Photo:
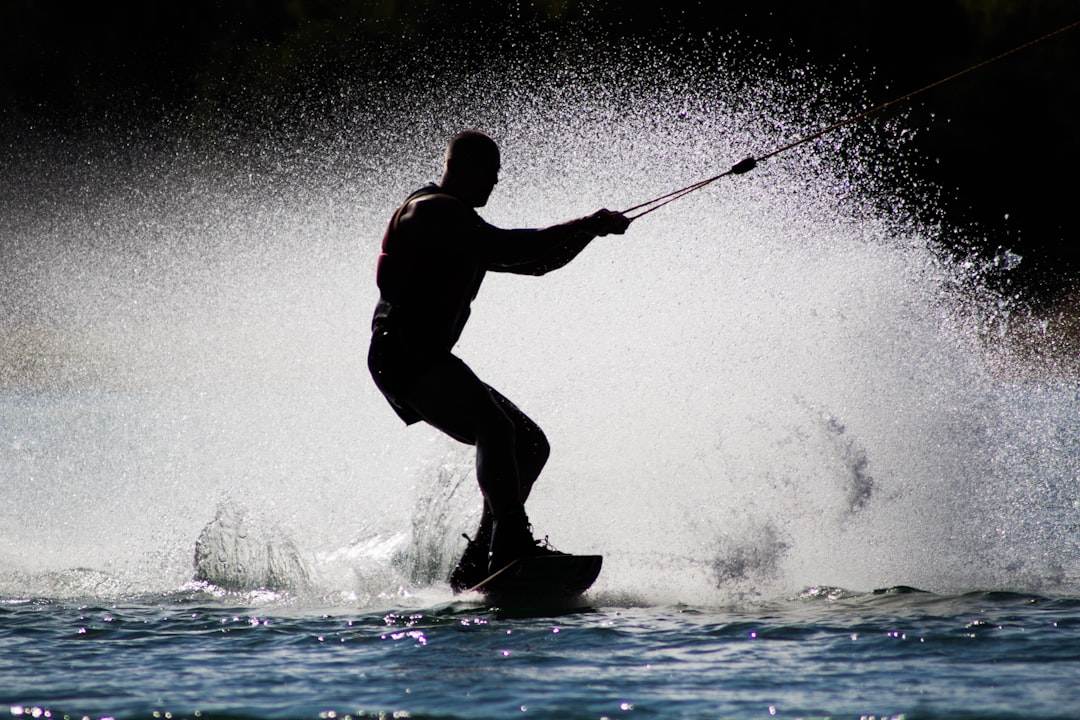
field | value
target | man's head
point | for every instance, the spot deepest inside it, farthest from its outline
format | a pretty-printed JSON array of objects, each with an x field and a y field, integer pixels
[{"x": 472, "y": 167}]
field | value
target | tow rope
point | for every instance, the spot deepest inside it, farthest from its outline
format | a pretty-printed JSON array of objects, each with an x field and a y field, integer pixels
[{"x": 750, "y": 163}]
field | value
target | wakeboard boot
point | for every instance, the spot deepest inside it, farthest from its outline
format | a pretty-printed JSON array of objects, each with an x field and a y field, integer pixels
[
  {"x": 511, "y": 539},
  {"x": 472, "y": 568}
]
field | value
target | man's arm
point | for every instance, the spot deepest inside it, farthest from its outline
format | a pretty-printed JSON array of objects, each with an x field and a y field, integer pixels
[
  {"x": 444, "y": 221},
  {"x": 564, "y": 242}
]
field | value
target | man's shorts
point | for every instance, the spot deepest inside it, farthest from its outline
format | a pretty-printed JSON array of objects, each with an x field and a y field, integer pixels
[{"x": 396, "y": 366}]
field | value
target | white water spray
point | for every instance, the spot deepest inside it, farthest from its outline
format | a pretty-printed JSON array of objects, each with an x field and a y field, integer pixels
[{"x": 772, "y": 384}]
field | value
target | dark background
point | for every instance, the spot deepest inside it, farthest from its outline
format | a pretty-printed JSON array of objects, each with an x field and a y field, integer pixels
[{"x": 1003, "y": 142}]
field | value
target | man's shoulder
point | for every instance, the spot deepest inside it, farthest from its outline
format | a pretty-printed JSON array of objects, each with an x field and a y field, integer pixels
[
  {"x": 431, "y": 204},
  {"x": 427, "y": 191},
  {"x": 436, "y": 200}
]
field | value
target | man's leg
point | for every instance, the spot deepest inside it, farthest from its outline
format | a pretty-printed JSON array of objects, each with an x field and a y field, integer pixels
[
  {"x": 531, "y": 448},
  {"x": 511, "y": 533},
  {"x": 511, "y": 451},
  {"x": 451, "y": 398},
  {"x": 531, "y": 451}
]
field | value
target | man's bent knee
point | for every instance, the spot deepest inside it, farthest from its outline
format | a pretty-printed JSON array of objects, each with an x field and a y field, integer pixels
[{"x": 493, "y": 426}]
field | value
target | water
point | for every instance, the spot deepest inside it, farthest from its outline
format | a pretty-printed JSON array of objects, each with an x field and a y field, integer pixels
[
  {"x": 889, "y": 655},
  {"x": 765, "y": 402}
]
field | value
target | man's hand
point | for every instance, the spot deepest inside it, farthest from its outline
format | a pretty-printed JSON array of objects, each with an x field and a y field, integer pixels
[{"x": 608, "y": 222}]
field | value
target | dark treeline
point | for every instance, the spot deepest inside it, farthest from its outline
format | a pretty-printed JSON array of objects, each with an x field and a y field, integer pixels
[{"x": 1002, "y": 142}]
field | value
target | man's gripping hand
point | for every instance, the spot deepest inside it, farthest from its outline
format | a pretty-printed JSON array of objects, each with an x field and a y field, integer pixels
[{"x": 607, "y": 222}]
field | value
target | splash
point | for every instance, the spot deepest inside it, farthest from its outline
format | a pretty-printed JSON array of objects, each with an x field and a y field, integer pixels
[{"x": 777, "y": 383}]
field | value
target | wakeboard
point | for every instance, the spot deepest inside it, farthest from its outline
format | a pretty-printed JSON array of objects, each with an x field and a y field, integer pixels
[{"x": 542, "y": 578}]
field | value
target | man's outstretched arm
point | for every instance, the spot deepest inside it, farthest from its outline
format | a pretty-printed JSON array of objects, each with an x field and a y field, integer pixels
[
  {"x": 449, "y": 225},
  {"x": 563, "y": 242}
]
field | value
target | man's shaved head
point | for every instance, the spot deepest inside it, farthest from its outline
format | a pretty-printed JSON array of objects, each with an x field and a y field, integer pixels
[
  {"x": 473, "y": 147},
  {"x": 472, "y": 167}
]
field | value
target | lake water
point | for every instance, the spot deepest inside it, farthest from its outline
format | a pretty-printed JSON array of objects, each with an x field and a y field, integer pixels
[{"x": 823, "y": 654}]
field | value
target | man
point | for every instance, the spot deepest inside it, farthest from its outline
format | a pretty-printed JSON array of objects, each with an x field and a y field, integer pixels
[{"x": 435, "y": 253}]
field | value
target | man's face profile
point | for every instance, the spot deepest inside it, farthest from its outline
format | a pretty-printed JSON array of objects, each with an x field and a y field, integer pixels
[{"x": 472, "y": 167}]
